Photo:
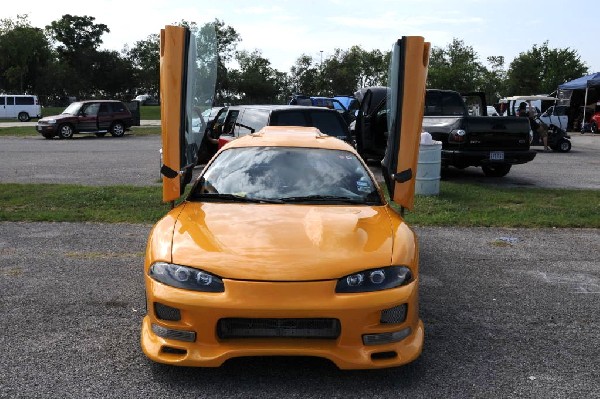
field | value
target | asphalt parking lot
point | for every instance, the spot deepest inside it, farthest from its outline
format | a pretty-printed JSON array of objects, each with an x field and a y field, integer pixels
[
  {"x": 135, "y": 160},
  {"x": 507, "y": 312}
]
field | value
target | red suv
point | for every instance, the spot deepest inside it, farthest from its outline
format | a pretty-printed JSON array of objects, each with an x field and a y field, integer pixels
[{"x": 97, "y": 116}]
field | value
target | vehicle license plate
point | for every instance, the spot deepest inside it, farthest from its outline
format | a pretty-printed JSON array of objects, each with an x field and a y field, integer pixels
[{"x": 497, "y": 156}]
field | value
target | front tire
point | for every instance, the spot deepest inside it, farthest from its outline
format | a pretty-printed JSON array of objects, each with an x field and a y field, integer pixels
[
  {"x": 117, "y": 129},
  {"x": 65, "y": 131},
  {"x": 594, "y": 127},
  {"x": 24, "y": 116},
  {"x": 496, "y": 170}
]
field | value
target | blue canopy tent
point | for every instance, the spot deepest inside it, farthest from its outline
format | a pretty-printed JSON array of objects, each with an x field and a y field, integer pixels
[{"x": 582, "y": 83}]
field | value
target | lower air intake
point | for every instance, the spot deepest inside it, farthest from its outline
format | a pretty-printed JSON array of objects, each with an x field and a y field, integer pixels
[
  {"x": 278, "y": 328},
  {"x": 394, "y": 315}
]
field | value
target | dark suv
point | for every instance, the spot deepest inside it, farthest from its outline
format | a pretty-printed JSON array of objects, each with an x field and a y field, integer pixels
[
  {"x": 236, "y": 121},
  {"x": 98, "y": 117}
]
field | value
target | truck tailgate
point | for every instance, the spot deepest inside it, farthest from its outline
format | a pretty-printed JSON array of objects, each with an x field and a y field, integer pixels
[{"x": 497, "y": 133}]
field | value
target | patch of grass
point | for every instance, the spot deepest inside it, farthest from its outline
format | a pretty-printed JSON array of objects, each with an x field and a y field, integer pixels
[
  {"x": 49, "y": 111},
  {"x": 150, "y": 112},
  {"x": 73, "y": 203},
  {"x": 28, "y": 131},
  {"x": 458, "y": 204},
  {"x": 463, "y": 204}
]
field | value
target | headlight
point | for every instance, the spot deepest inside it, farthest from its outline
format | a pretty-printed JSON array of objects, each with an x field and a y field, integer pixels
[
  {"x": 375, "y": 279},
  {"x": 186, "y": 277},
  {"x": 50, "y": 121}
]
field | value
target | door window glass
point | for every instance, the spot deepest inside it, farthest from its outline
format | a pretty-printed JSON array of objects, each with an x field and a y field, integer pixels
[{"x": 92, "y": 109}]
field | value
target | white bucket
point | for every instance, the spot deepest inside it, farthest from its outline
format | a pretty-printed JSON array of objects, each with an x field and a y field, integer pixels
[{"x": 428, "y": 166}]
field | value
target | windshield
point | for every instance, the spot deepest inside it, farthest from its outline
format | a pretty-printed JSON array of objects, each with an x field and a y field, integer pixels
[
  {"x": 286, "y": 174},
  {"x": 73, "y": 109}
]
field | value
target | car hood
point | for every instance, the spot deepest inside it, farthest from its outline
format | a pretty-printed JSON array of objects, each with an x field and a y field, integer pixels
[
  {"x": 56, "y": 117},
  {"x": 273, "y": 242}
]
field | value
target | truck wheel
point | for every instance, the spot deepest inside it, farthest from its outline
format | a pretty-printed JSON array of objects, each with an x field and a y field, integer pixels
[
  {"x": 117, "y": 129},
  {"x": 496, "y": 170},
  {"x": 564, "y": 146},
  {"x": 65, "y": 131},
  {"x": 23, "y": 116}
]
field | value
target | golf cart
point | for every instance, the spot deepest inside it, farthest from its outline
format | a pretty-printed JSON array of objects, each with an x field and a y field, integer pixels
[{"x": 558, "y": 139}]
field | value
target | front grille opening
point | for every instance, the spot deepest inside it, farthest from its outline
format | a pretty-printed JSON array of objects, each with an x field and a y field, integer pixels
[
  {"x": 172, "y": 351},
  {"x": 384, "y": 355},
  {"x": 395, "y": 315},
  {"x": 164, "y": 312},
  {"x": 278, "y": 328}
]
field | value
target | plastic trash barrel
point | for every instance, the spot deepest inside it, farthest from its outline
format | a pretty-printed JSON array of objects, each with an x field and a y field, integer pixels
[{"x": 429, "y": 164}]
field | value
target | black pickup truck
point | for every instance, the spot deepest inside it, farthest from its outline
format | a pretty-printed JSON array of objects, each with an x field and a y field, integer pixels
[{"x": 493, "y": 143}]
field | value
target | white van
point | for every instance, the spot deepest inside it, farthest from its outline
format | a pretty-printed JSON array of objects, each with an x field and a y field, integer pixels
[{"x": 20, "y": 106}]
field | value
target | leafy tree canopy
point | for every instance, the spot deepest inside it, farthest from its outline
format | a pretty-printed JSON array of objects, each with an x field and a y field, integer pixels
[{"x": 541, "y": 69}]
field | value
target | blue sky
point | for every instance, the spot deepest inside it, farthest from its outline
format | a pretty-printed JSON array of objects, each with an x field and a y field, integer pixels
[{"x": 284, "y": 30}]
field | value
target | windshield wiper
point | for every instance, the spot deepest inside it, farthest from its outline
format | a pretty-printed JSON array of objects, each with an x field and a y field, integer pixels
[
  {"x": 233, "y": 198},
  {"x": 323, "y": 198}
]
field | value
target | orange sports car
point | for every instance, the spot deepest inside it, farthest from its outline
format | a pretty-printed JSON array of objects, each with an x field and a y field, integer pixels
[{"x": 284, "y": 246}]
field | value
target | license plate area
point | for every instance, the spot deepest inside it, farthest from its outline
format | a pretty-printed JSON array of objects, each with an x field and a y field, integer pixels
[{"x": 496, "y": 155}]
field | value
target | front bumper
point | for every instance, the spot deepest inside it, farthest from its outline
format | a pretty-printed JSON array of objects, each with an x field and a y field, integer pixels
[
  {"x": 478, "y": 158},
  {"x": 358, "y": 314},
  {"x": 41, "y": 129}
]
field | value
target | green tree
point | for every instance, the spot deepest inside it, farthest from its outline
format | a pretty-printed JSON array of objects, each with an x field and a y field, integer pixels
[
  {"x": 455, "y": 67},
  {"x": 541, "y": 69},
  {"x": 78, "y": 39},
  {"x": 112, "y": 76},
  {"x": 305, "y": 75},
  {"x": 256, "y": 82},
  {"x": 348, "y": 70},
  {"x": 144, "y": 58},
  {"x": 76, "y": 33},
  {"x": 493, "y": 81},
  {"x": 24, "y": 54}
]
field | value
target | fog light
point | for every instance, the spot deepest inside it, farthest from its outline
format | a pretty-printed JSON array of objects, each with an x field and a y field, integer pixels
[
  {"x": 179, "y": 335},
  {"x": 385, "y": 338}
]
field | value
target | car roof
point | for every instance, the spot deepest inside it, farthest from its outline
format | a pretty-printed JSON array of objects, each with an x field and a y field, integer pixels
[
  {"x": 269, "y": 107},
  {"x": 290, "y": 136}
]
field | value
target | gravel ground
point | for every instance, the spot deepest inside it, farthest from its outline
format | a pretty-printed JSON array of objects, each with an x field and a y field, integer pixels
[{"x": 507, "y": 313}]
